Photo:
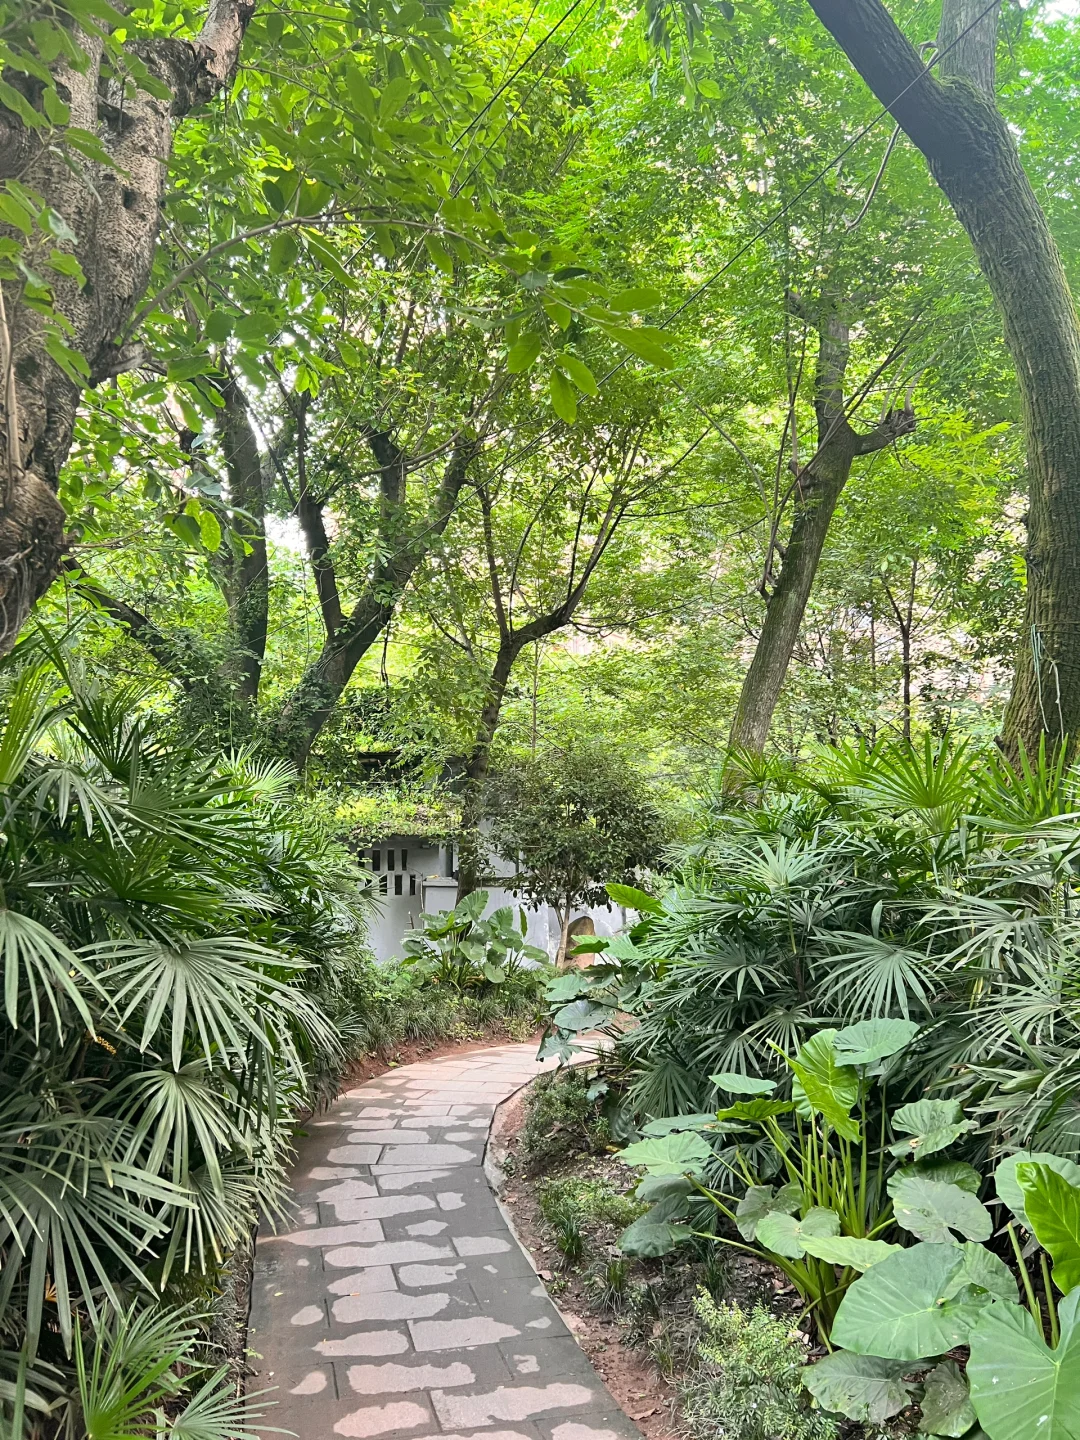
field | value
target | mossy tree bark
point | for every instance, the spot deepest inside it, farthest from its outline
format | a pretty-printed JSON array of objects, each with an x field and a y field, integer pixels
[
  {"x": 816, "y": 489},
  {"x": 115, "y": 212},
  {"x": 954, "y": 121}
]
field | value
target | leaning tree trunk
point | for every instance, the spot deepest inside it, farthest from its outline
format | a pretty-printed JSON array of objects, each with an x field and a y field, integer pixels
[
  {"x": 973, "y": 156},
  {"x": 818, "y": 487},
  {"x": 470, "y": 848},
  {"x": 114, "y": 211}
]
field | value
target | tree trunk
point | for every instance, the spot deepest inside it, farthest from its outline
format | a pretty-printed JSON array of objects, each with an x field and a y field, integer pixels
[
  {"x": 974, "y": 159},
  {"x": 818, "y": 488},
  {"x": 821, "y": 487},
  {"x": 248, "y": 580},
  {"x": 470, "y": 848},
  {"x": 115, "y": 212},
  {"x": 400, "y": 552}
]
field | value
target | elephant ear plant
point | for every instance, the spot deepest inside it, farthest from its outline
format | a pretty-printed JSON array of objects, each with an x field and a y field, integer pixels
[
  {"x": 808, "y": 1181},
  {"x": 463, "y": 951},
  {"x": 902, "y": 1324}
]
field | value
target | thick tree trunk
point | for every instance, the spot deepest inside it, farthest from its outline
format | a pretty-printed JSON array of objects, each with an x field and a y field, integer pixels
[
  {"x": 470, "y": 846},
  {"x": 818, "y": 488},
  {"x": 247, "y": 587},
  {"x": 114, "y": 212},
  {"x": 974, "y": 159}
]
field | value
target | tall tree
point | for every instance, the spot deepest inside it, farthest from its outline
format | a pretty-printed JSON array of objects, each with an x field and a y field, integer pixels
[
  {"x": 815, "y": 489},
  {"x": 954, "y": 120}
]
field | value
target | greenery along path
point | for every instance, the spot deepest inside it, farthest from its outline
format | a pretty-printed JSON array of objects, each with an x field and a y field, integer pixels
[{"x": 402, "y": 1304}]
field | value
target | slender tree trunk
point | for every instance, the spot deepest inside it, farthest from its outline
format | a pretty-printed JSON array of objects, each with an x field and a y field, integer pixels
[
  {"x": 115, "y": 211},
  {"x": 470, "y": 845},
  {"x": 248, "y": 579},
  {"x": 972, "y": 155},
  {"x": 818, "y": 488}
]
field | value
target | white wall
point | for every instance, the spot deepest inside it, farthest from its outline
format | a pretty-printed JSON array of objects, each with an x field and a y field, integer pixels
[{"x": 427, "y": 886}]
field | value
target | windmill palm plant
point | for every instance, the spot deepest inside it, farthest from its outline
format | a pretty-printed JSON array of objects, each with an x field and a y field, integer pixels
[
  {"x": 929, "y": 882},
  {"x": 165, "y": 925}
]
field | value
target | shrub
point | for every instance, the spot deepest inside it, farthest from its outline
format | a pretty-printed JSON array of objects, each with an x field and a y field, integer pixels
[
  {"x": 588, "y": 1200},
  {"x": 748, "y": 1384},
  {"x": 561, "y": 1120}
]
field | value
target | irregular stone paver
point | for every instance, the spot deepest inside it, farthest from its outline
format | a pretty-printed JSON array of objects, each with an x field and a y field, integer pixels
[{"x": 397, "y": 1305}]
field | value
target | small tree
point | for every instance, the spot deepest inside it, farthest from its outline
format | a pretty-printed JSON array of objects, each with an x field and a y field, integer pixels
[{"x": 574, "y": 819}]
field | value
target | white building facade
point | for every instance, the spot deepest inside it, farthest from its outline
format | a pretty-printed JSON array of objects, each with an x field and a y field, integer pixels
[{"x": 415, "y": 875}]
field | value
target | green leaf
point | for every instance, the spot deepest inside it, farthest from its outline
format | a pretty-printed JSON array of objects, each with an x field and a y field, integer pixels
[
  {"x": 1053, "y": 1207},
  {"x": 949, "y": 1172},
  {"x": 932, "y": 1210},
  {"x": 12, "y": 213},
  {"x": 1008, "y": 1185},
  {"x": 946, "y": 1403},
  {"x": 579, "y": 373},
  {"x": 563, "y": 398},
  {"x": 671, "y": 1123},
  {"x": 848, "y": 1250},
  {"x": 783, "y": 1234},
  {"x": 630, "y": 898},
  {"x": 710, "y": 89},
  {"x": 985, "y": 1271},
  {"x": 762, "y": 1200},
  {"x": 568, "y": 986},
  {"x": 284, "y": 249},
  {"x": 669, "y": 1154},
  {"x": 899, "y": 1308},
  {"x": 582, "y": 1015},
  {"x": 736, "y": 1084},
  {"x": 648, "y": 1237},
  {"x": 640, "y": 297},
  {"x": 932, "y": 1125},
  {"x": 831, "y": 1089},
  {"x": 523, "y": 352},
  {"x": 12, "y": 100},
  {"x": 755, "y": 1110},
  {"x": 872, "y": 1040},
  {"x": 209, "y": 531},
  {"x": 862, "y": 1387},
  {"x": 642, "y": 340},
  {"x": 651, "y": 1188},
  {"x": 1021, "y": 1389}
]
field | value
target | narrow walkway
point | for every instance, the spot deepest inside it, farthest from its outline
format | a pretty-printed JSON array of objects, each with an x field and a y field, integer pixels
[{"x": 403, "y": 1306}]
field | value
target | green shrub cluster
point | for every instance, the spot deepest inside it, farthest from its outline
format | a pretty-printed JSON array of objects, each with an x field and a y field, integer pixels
[
  {"x": 561, "y": 1119},
  {"x": 747, "y": 1384}
]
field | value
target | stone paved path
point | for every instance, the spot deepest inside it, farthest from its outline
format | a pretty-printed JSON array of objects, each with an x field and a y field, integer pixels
[{"x": 402, "y": 1306}]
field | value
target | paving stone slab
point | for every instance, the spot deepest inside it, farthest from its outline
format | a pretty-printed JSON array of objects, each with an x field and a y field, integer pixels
[{"x": 394, "y": 1303}]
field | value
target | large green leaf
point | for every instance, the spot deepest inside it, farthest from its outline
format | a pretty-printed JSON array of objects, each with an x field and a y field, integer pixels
[
  {"x": 869, "y": 1041},
  {"x": 899, "y": 1308},
  {"x": 669, "y": 1154},
  {"x": 1021, "y": 1389},
  {"x": 848, "y": 1250},
  {"x": 1009, "y": 1188},
  {"x": 582, "y": 1015},
  {"x": 1053, "y": 1207},
  {"x": 784, "y": 1234},
  {"x": 830, "y": 1088},
  {"x": 652, "y": 1188},
  {"x": 862, "y": 1387},
  {"x": 932, "y": 1125},
  {"x": 38, "y": 970},
  {"x": 672, "y": 1123},
  {"x": 946, "y": 1403},
  {"x": 762, "y": 1200},
  {"x": 932, "y": 1210},
  {"x": 630, "y": 898},
  {"x": 650, "y": 1236},
  {"x": 984, "y": 1271},
  {"x": 755, "y": 1110},
  {"x": 736, "y": 1084}
]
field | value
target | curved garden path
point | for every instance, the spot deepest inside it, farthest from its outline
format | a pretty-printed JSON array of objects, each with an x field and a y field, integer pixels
[{"x": 402, "y": 1306}]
